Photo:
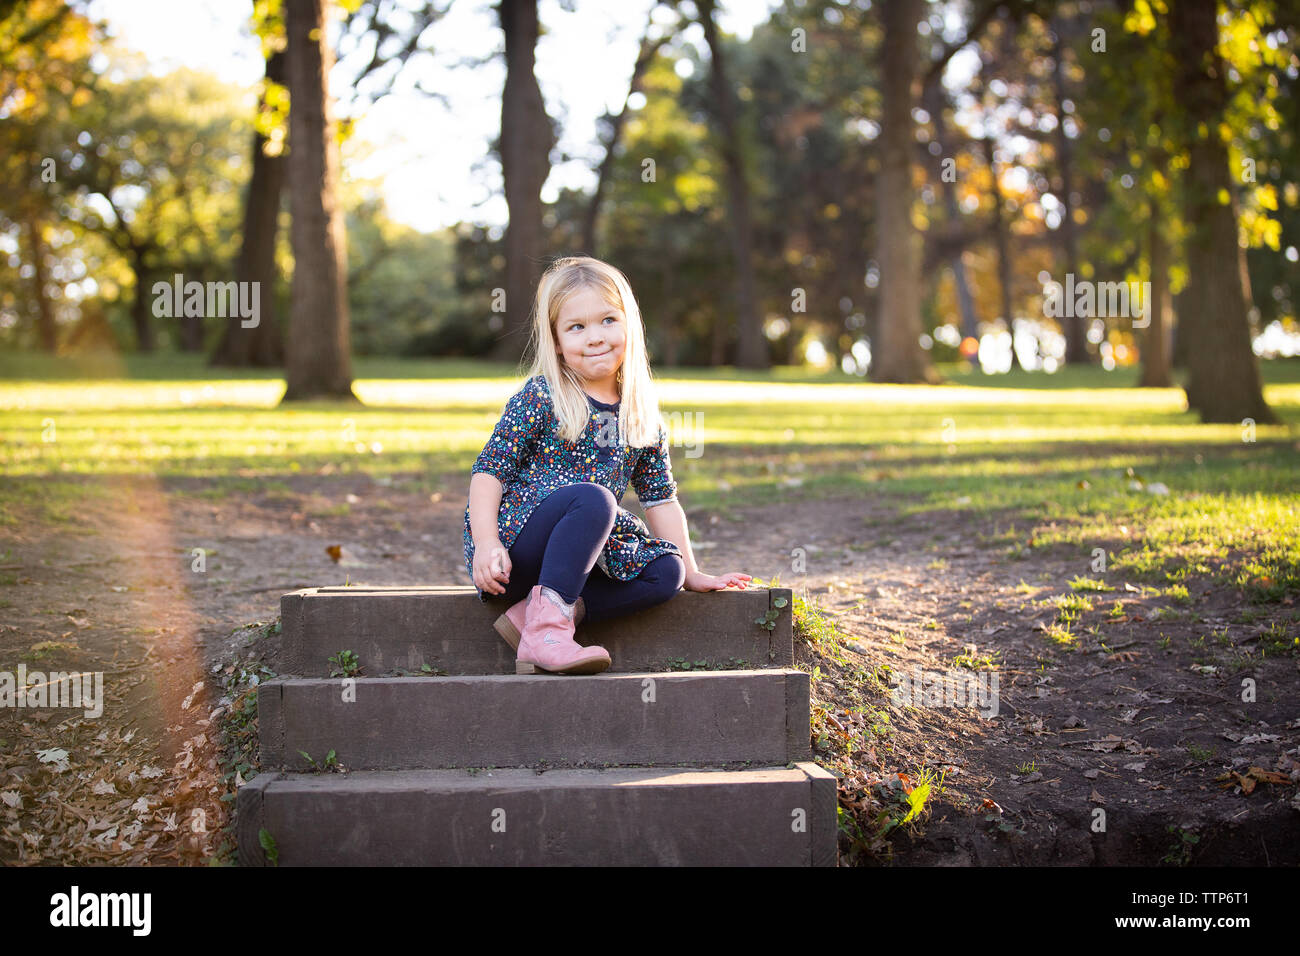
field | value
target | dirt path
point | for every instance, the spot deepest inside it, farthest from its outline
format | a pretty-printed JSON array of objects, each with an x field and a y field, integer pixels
[{"x": 1116, "y": 730}]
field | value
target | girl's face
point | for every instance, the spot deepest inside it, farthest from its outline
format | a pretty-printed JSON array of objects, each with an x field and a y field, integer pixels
[{"x": 591, "y": 336}]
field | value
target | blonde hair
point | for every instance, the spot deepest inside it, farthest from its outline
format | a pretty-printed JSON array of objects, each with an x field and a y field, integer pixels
[{"x": 639, "y": 417}]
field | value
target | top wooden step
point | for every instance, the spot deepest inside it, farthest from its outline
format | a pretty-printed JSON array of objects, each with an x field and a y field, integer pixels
[{"x": 399, "y": 630}]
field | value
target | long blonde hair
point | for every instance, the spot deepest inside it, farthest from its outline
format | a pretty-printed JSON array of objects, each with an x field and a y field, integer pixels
[{"x": 638, "y": 414}]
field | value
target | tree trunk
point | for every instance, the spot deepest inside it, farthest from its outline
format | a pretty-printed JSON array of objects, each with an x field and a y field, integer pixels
[
  {"x": 1003, "y": 244},
  {"x": 897, "y": 355},
  {"x": 260, "y": 346},
  {"x": 1223, "y": 382},
  {"x": 1155, "y": 345},
  {"x": 319, "y": 359},
  {"x": 141, "y": 308},
  {"x": 751, "y": 346},
  {"x": 46, "y": 331},
  {"x": 527, "y": 139},
  {"x": 1076, "y": 341}
]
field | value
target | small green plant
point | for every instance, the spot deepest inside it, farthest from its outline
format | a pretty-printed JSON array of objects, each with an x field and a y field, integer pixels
[
  {"x": 268, "y": 845},
  {"x": 1118, "y": 609},
  {"x": 346, "y": 664},
  {"x": 1028, "y": 768},
  {"x": 1181, "y": 852},
  {"x": 1081, "y": 583},
  {"x": 1200, "y": 754},
  {"x": 1061, "y": 635},
  {"x": 1178, "y": 593},
  {"x": 976, "y": 662},
  {"x": 769, "y": 618},
  {"x": 331, "y": 761},
  {"x": 1070, "y": 606},
  {"x": 919, "y": 795},
  {"x": 1276, "y": 640}
]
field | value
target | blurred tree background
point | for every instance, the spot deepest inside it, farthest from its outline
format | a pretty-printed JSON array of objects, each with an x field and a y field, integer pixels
[{"x": 877, "y": 187}]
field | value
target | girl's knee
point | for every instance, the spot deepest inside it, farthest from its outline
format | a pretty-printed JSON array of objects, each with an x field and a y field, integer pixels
[
  {"x": 589, "y": 492},
  {"x": 668, "y": 573}
]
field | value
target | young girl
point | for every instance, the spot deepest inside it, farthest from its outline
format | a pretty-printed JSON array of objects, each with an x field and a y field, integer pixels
[{"x": 544, "y": 493}]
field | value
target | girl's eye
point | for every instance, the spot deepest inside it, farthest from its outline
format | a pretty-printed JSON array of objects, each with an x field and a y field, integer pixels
[{"x": 576, "y": 325}]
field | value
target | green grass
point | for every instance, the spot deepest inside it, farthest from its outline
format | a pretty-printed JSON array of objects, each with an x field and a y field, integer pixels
[{"x": 1044, "y": 459}]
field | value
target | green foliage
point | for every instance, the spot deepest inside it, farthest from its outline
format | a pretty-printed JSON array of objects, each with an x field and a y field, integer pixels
[
  {"x": 1183, "y": 843},
  {"x": 345, "y": 664},
  {"x": 267, "y": 843}
]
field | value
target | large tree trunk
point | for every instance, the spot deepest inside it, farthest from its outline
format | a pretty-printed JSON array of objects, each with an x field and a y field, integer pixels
[
  {"x": 141, "y": 306},
  {"x": 751, "y": 346},
  {"x": 1223, "y": 381},
  {"x": 1003, "y": 243},
  {"x": 319, "y": 360},
  {"x": 526, "y": 143},
  {"x": 260, "y": 346},
  {"x": 1155, "y": 345},
  {"x": 46, "y": 331},
  {"x": 897, "y": 355},
  {"x": 1076, "y": 342}
]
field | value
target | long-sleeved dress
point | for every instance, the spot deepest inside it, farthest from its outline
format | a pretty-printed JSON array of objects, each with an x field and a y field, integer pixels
[{"x": 531, "y": 461}]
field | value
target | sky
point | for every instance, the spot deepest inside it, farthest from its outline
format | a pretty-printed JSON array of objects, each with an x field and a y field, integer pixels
[{"x": 426, "y": 153}]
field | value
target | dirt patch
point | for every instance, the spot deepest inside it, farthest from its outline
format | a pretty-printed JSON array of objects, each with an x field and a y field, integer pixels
[
  {"x": 1156, "y": 736},
  {"x": 1123, "y": 724}
]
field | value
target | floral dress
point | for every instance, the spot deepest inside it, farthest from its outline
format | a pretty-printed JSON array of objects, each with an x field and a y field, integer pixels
[{"x": 530, "y": 460}]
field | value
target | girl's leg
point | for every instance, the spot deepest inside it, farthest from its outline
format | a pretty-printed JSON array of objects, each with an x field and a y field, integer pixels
[
  {"x": 560, "y": 542},
  {"x": 606, "y": 597}
]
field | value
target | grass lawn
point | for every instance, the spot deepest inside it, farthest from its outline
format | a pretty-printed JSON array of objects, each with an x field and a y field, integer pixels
[{"x": 1078, "y": 459}]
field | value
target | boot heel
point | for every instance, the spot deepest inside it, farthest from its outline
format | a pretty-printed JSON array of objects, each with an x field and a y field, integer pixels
[
  {"x": 506, "y": 628},
  {"x": 523, "y": 667}
]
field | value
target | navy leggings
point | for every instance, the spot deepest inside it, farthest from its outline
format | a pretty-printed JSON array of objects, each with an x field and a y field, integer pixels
[{"x": 558, "y": 547}]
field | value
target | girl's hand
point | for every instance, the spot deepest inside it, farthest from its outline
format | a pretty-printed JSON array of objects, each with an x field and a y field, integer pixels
[
  {"x": 699, "y": 581},
  {"x": 492, "y": 568}
]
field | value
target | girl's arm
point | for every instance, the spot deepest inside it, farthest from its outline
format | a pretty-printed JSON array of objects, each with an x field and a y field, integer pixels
[
  {"x": 668, "y": 520},
  {"x": 485, "y": 492},
  {"x": 652, "y": 479}
]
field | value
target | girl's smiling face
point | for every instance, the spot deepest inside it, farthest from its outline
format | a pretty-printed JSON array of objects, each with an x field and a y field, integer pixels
[{"x": 591, "y": 335}]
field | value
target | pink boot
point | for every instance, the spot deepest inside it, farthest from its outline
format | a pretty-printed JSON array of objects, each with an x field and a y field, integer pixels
[
  {"x": 546, "y": 643},
  {"x": 511, "y": 624}
]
